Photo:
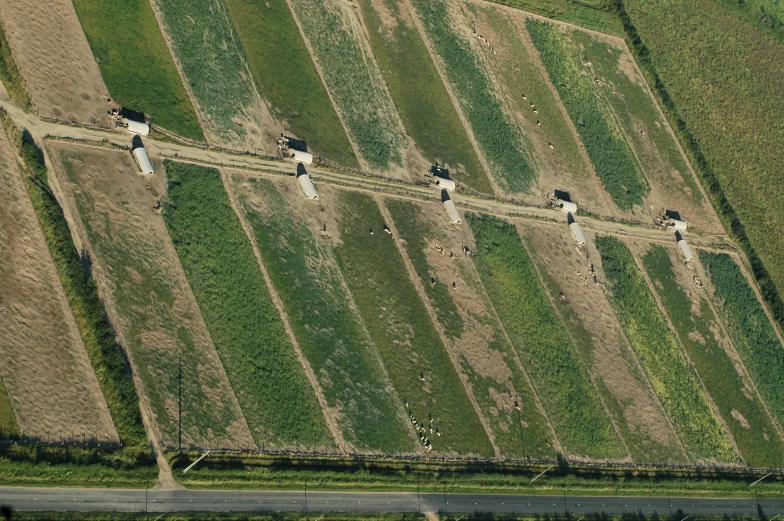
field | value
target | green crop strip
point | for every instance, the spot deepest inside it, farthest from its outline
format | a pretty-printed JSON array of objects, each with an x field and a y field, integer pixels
[
  {"x": 560, "y": 379},
  {"x": 213, "y": 63},
  {"x": 136, "y": 64},
  {"x": 498, "y": 136},
  {"x": 749, "y": 328},
  {"x": 657, "y": 348},
  {"x": 329, "y": 331},
  {"x": 420, "y": 95},
  {"x": 152, "y": 303},
  {"x": 400, "y": 326},
  {"x": 10, "y": 75},
  {"x": 7, "y": 417},
  {"x": 520, "y": 433},
  {"x": 601, "y": 20},
  {"x": 279, "y": 403},
  {"x": 284, "y": 72},
  {"x": 355, "y": 83},
  {"x": 607, "y": 148},
  {"x": 758, "y": 440}
]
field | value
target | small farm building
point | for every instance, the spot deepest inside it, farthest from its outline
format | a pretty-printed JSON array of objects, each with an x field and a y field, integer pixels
[
  {"x": 299, "y": 156},
  {"x": 305, "y": 183},
  {"x": 685, "y": 250},
  {"x": 568, "y": 206},
  {"x": 577, "y": 234},
  {"x": 136, "y": 127},
  {"x": 447, "y": 184},
  {"x": 675, "y": 224},
  {"x": 142, "y": 160}
]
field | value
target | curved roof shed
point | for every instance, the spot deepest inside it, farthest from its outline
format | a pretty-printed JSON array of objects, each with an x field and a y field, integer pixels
[{"x": 143, "y": 161}]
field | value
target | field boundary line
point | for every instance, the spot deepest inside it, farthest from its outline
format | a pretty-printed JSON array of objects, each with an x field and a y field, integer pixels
[
  {"x": 414, "y": 278},
  {"x": 663, "y": 310},
  {"x": 571, "y": 339},
  {"x": 331, "y": 424}
]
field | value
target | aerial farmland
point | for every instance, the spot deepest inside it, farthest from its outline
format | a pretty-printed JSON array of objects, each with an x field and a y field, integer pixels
[{"x": 391, "y": 231}]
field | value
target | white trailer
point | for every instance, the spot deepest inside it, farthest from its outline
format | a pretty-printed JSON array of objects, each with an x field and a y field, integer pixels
[
  {"x": 568, "y": 206},
  {"x": 307, "y": 186},
  {"x": 451, "y": 210},
  {"x": 445, "y": 183},
  {"x": 577, "y": 234},
  {"x": 136, "y": 127},
  {"x": 685, "y": 251},
  {"x": 142, "y": 160},
  {"x": 299, "y": 156}
]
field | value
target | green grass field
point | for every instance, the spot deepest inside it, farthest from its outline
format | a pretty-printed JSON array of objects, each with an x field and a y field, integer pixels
[
  {"x": 214, "y": 65},
  {"x": 149, "y": 296},
  {"x": 749, "y": 328},
  {"x": 516, "y": 433},
  {"x": 657, "y": 348},
  {"x": 420, "y": 95},
  {"x": 704, "y": 79},
  {"x": 279, "y": 403},
  {"x": 559, "y": 377},
  {"x": 604, "y": 141},
  {"x": 135, "y": 63},
  {"x": 287, "y": 78},
  {"x": 8, "y": 425},
  {"x": 757, "y": 440},
  {"x": 400, "y": 326},
  {"x": 354, "y": 81},
  {"x": 602, "y": 20},
  {"x": 499, "y": 138},
  {"x": 330, "y": 331},
  {"x": 660, "y": 156}
]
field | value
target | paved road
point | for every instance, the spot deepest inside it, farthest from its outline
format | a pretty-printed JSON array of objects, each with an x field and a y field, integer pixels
[{"x": 43, "y": 499}]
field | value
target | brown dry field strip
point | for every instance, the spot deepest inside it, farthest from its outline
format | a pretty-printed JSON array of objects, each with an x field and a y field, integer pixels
[
  {"x": 53, "y": 55},
  {"x": 148, "y": 297},
  {"x": 43, "y": 362}
]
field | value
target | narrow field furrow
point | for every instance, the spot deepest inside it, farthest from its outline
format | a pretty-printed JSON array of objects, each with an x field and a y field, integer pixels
[
  {"x": 279, "y": 404},
  {"x": 413, "y": 354},
  {"x": 419, "y": 93},
  {"x": 660, "y": 354},
  {"x": 473, "y": 331},
  {"x": 287, "y": 78},
  {"x": 136, "y": 64},
  {"x": 498, "y": 136},
  {"x": 214, "y": 65},
  {"x": 354, "y": 80},
  {"x": 712, "y": 354},
  {"x": 604, "y": 141},
  {"x": 749, "y": 328},
  {"x": 152, "y": 305},
  {"x": 558, "y": 375},
  {"x": 328, "y": 327}
]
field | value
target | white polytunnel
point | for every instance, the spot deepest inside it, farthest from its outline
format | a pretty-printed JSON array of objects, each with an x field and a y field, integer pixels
[
  {"x": 577, "y": 234},
  {"x": 451, "y": 210},
  {"x": 685, "y": 250},
  {"x": 445, "y": 183},
  {"x": 299, "y": 156},
  {"x": 307, "y": 186},
  {"x": 675, "y": 224},
  {"x": 136, "y": 127},
  {"x": 142, "y": 160},
  {"x": 568, "y": 207}
]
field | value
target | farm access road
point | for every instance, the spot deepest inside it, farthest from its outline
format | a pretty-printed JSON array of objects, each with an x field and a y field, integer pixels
[
  {"x": 123, "y": 500},
  {"x": 40, "y": 128}
]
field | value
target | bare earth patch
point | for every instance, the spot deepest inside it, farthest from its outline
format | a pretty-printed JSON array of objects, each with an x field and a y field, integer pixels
[
  {"x": 148, "y": 296},
  {"x": 53, "y": 55},
  {"x": 52, "y": 387}
]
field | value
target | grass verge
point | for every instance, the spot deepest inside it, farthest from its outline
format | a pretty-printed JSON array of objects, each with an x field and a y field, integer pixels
[
  {"x": 279, "y": 403},
  {"x": 136, "y": 64},
  {"x": 354, "y": 80},
  {"x": 544, "y": 347},
  {"x": 419, "y": 93},
  {"x": 698, "y": 331},
  {"x": 330, "y": 331},
  {"x": 604, "y": 141},
  {"x": 271, "y": 38},
  {"x": 10, "y": 75},
  {"x": 413, "y": 353},
  {"x": 657, "y": 348},
  {"x": 488, "y": 362},
  {"x": 498, "y": 137},
  {"x": 749, "y": 328}
]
